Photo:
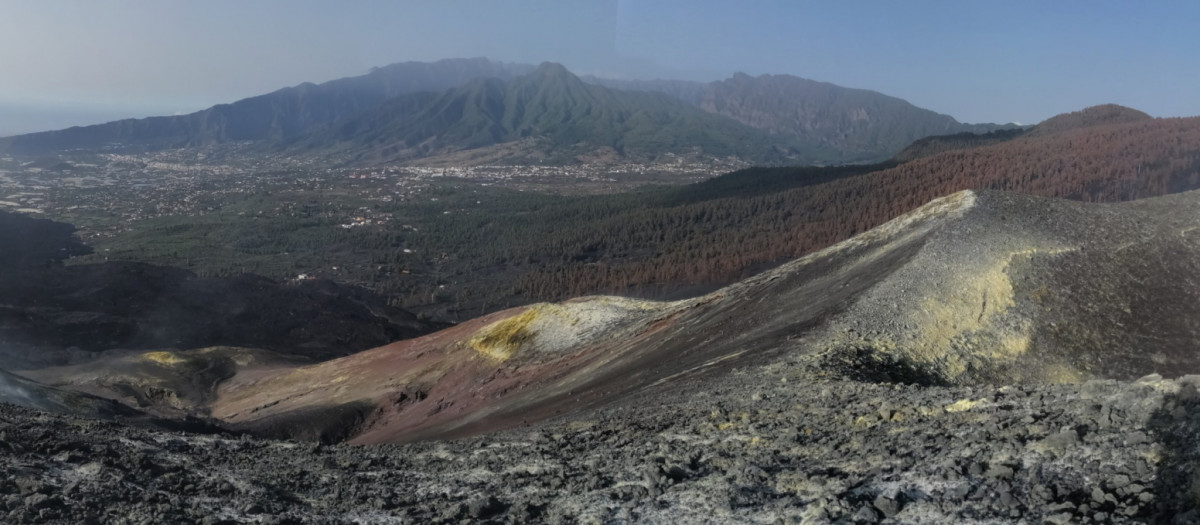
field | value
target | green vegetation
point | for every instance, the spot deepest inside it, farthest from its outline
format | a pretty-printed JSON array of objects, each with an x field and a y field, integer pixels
[
  {"x": 459, "y": 249},
  {"x": 463, "y": 248},
  {"x": 567, "y": 116}
]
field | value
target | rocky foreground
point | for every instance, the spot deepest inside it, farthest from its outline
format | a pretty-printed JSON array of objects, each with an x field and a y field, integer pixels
[{"x": 757, "y": 448}]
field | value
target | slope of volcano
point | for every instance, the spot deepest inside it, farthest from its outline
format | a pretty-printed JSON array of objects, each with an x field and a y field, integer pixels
[
  {"x": 973, "y": 288},
  {"x": 777, "y": 398}
]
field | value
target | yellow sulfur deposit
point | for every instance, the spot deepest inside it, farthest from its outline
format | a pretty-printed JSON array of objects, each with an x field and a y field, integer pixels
[
  {"x": 164, "y": 358},
  {"x": 962, "y": 405},
  {"x": 501, "y": 339}
]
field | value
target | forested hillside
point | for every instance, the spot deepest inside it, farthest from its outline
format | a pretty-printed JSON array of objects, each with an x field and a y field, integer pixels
[
  {"x": 464, "y": 248},
  {"x": 929, "y": 146},
  {"x": 717, "y": 240}
]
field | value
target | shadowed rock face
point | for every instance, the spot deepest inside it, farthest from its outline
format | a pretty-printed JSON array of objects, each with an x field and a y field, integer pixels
[
  {"x": 31, "y": 244},
  {"x": 160, "y": 382},
  {"x": 98, "y": 307},
  {"x": 23, "y": 392}
]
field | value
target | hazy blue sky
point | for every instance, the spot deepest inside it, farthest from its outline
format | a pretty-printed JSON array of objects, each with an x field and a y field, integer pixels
[{"x": 77, "y": 61}]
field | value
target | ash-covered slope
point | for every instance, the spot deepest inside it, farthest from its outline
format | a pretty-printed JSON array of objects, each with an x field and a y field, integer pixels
[
  {"x": 1027, "y": 289},
  {"x": 971, "y": 288},
  {"x": 20, "y": 391},
  {"x": 764, "y": 401}
]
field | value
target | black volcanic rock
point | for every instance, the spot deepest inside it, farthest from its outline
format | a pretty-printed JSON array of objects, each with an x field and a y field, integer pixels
[
  {"x": 27, "y": 242},
  {"x": 23, "y": 392},
  {"x": 96, "y": 307},
  {"x": 815, "y": 452}
]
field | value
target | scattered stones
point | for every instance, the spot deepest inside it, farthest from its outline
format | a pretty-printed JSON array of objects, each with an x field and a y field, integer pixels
[
  {"x": 675, "y": 461},
  {"x": 866, "y": 514},
  {"x": 889, "y": 507}
]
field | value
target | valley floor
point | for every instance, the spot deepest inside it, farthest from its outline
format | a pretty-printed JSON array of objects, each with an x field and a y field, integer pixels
[{"x": 745, "y": 451}]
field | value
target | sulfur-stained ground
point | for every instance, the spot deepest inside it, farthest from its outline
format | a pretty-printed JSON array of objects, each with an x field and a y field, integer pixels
[{"x": 745, "y": 452}]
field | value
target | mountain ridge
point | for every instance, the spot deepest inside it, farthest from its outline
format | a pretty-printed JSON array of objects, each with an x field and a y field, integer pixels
[
  {"x": 1101, "y": 115},
  {"x": 863, "y": 124},
  {"x": 823, "y": 122},
  {"x": 279, "y": 114},
  {"x": 555, "y": 107}
]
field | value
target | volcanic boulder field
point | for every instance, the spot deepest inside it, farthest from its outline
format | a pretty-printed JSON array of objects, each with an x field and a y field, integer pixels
[{"x": 989, "y": 357}]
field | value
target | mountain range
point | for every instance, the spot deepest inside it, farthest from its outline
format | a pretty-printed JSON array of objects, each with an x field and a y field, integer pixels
[
  {"x": 520, "y": 113},
  {"x": 552, "y": 114},
  {"x": 273, "y": 116},
  {"x": 858, "y": 122}
]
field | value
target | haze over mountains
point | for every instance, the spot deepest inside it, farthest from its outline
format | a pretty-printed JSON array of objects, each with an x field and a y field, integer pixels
[
  {"x": 830, "y": 116},
  {"x": 273, "y": 116},
  {"x": 552, "y": 115},
  {"x": 534, "y": 114}
]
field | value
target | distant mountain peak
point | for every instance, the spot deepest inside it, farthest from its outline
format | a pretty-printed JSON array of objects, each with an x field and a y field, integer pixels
[
  {"x": 552, "y": 68},
  {"x": 551, "y": 73}
]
